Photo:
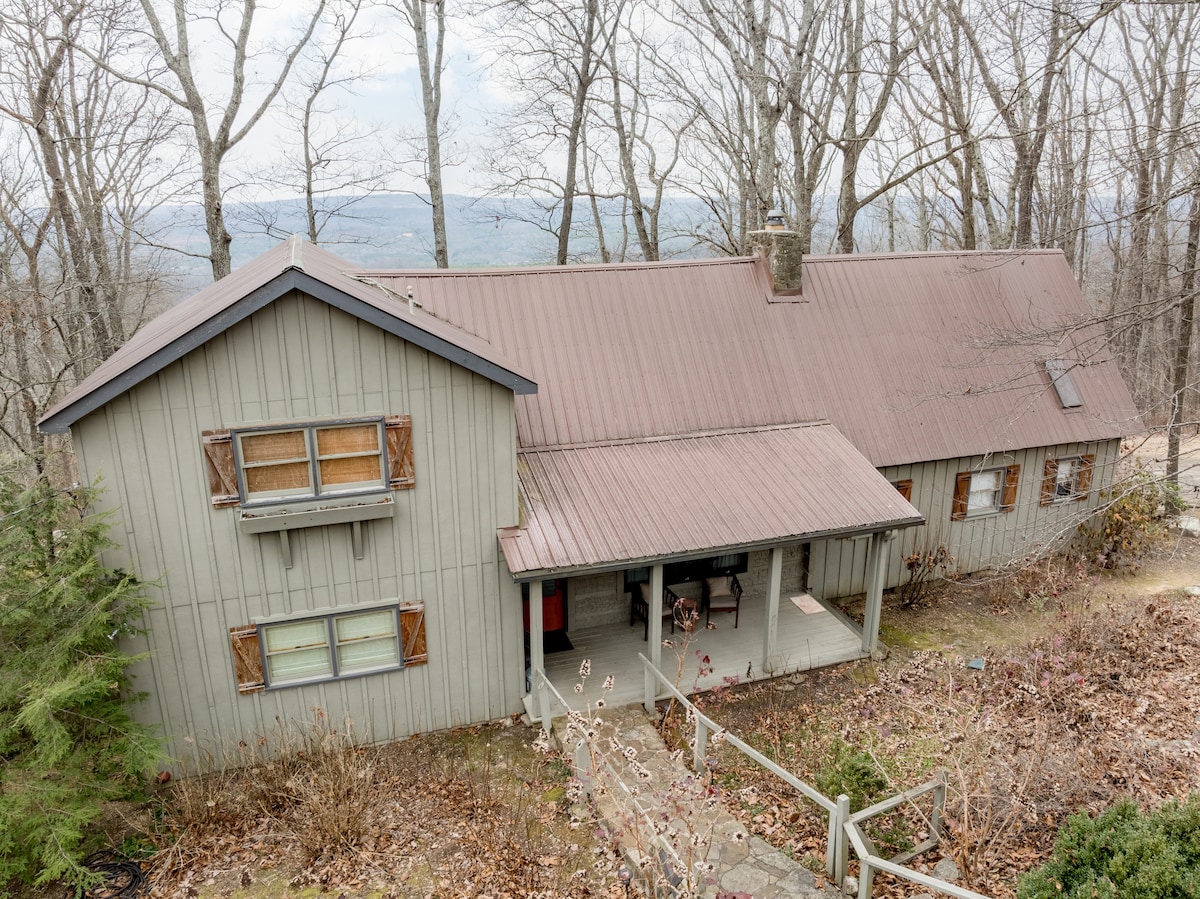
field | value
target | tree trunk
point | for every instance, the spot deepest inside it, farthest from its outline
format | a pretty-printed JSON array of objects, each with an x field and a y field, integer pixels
[{"x": 1180, "y": 381}]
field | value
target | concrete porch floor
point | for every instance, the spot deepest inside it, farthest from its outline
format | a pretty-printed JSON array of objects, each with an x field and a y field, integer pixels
[{"x": 805, "y": 641}]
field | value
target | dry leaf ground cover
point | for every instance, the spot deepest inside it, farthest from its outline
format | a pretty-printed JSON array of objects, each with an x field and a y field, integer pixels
[
  {"x": 472, "y": 812},
  {"x": 1084, "y": 697}
]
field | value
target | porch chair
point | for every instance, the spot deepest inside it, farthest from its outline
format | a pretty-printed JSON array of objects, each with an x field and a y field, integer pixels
[
  {"x": 723, "y": 594},
  {"x": 679, "y": 609}
]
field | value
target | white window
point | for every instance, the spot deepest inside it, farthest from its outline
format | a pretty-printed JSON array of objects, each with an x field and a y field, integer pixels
[
  {"x": 1065, "y": 477},
  {"x": 987, "y": 488},
  {"x": 310, "y": 461},
  {"x": 985, "y": 492},
  {"x": 331, "y": 646}
]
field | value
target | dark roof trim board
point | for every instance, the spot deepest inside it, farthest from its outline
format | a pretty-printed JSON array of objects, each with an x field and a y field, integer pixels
[
  {"x": 61, "y": 418},
  {"x": 413, "y": 334}
]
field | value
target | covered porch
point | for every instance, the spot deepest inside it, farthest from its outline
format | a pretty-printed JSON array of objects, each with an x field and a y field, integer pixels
[
  {"x": 778, "y": 631},
  {"x": 674, "y": 513},
  {"x": 809, "y": 634}
]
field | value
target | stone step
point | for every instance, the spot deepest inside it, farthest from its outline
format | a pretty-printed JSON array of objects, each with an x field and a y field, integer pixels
[{"x": 669, "y": 822}]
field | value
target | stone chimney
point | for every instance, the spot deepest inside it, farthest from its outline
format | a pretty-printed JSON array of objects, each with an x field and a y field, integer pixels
[{"x": 781, "y": 247}]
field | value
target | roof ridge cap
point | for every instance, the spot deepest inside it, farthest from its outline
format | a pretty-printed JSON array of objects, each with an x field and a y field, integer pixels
[{"x": 667, "y": 438}]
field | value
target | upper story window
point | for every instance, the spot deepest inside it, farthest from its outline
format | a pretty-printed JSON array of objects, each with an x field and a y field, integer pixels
[
  {"x": 306, "y": 461},
  {"x": 311, "y": 461}
]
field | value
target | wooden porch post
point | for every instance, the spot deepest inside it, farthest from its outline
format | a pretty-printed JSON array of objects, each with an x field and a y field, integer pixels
[
  {"x": 537, "y": 657},
  {"x": 771, "y": 634},
  {"x": 877, "y": 558},
  {"x": 654, "y": 636}
]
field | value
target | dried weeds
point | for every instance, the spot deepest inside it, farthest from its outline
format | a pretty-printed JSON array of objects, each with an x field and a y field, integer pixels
[
  {"x": 467, "y": 813},
  {"x": 1101, "y": 707}
]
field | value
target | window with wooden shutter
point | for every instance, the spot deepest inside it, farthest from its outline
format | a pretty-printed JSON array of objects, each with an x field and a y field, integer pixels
[
  {"x": 247, "y": 659},
  {"x": 221, "y": 467},
  {"x": 1067, "y": 480},
  {"x": 1012, "y": 476},
  {"x": 962, "y": 491},
  {"x": 1049, "y": 482},
  {"x": 904, "y": 488},
  {"x": 400, "y": 452},
  {"x": 333, "y": 646},
  {"x": 985, "y": 492},
  {"x": 1083, "y": 485},
  {"x": 412, "y": 634}
]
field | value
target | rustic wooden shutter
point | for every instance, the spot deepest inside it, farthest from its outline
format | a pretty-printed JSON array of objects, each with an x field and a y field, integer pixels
[
  {"x": 247, "y": 660},
  {"x": 400, "y": 452},
  {"x": 412, "y": 634},
  {"x": 1049, "y": 482},
  {"x": 222, "y": 471},
  {"x": 1083, "y": 483},
  {"x": 1012, "y": 475},
  {"x": 905, "y": 488},
  {"x": 962, "y": 491}
]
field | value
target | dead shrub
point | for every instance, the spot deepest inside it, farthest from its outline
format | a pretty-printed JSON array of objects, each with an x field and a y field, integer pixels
[
  {"x": 924, "y": 567},
  {"x": 309, "y": 783}
]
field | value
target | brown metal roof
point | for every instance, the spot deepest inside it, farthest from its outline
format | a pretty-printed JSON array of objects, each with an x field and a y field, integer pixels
[
  {"x": 940, "y": 355},
  {"x": 630, "y": 351},
  {"x": 914, "y": 357},
  {"x": 623, "y": 504},
  {"x": 293, "y": 265}
]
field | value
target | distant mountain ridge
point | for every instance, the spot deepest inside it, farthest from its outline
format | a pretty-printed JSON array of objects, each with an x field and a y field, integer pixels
[{"x": 396, "y": 231}]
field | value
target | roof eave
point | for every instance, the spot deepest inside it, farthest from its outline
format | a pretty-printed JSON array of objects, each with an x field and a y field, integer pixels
[
  {"x": 621, "y": 565},
  {"x": 60, "y": 419}
]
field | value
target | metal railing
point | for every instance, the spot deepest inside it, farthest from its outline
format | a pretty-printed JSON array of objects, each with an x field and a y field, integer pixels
[
  {"x": 705, "y": 726},
  {"x": 844, "y": 828},
  {"x": 584, "y": 761}
]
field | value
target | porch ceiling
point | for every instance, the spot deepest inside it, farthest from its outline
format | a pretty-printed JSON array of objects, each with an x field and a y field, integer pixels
[{"x": 587, "y": 507}]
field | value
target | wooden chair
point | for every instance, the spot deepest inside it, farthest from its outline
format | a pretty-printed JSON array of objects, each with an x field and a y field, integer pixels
[
  {"x": 681, "y": 610},
  {"x": 723, "y": 594}
]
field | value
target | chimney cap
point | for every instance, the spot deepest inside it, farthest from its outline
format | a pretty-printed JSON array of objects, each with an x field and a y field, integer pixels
[{"x": 776, "y": 221}]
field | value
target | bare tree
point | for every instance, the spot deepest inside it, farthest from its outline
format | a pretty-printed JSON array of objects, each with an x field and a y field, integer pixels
[
  {"x": 232, "y": 23},
  {"x": 82, "y": 172},
  {"x": 331, "y": 161},
  {"x": 556, "y": 50},
  {"x": 426, "y": 19}
]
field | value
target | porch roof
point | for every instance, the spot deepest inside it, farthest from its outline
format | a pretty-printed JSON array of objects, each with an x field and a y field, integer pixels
[{"x": 619, "y": 505}]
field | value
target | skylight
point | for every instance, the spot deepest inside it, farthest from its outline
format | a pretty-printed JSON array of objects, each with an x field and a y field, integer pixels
[{"x": 1064, "y": 385}]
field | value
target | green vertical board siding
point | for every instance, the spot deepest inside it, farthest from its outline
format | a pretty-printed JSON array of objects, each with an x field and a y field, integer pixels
[
  {"x": 294, "y": 361},
  {"x": 978, "y": 543}
]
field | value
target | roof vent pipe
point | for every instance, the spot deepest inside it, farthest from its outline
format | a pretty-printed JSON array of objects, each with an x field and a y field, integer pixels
[{"x": 782, "y": 248}]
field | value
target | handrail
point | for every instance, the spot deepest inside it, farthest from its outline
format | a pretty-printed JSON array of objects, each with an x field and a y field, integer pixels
[
  {"x": 870, "y": 863},
  {"x": 820, "y": 799},
  {"x": 843, "y": 826},
  {"x": 541, "y": 700},
  {"x": 835, "y": 855},
  {"x": 583, "y": 766}
]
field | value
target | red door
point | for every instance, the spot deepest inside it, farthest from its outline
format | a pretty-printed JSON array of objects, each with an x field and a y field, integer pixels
[{"x": 554, "y": 606}]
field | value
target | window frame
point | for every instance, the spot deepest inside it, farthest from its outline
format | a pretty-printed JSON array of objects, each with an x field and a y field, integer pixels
[
  {"x": 313, "y": 459},
  {"x": 331, "y": 644},
  {"x": 1081, "y": 479},
  {"x": 1009, "y": 480}
]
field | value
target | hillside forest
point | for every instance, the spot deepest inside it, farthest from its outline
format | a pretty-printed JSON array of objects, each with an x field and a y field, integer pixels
[{"x": 617, "y": 130}]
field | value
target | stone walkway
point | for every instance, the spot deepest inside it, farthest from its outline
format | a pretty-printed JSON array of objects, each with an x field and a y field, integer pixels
[{"x": 665, "y": 810}]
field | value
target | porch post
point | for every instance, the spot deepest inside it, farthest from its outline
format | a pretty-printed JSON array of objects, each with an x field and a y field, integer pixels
[
  {"x": 877, "y": 558},
  {"x": 771, "y": 633},
  {"x": 537, "y": 657},
  {"x": 654, "y": 636}
]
